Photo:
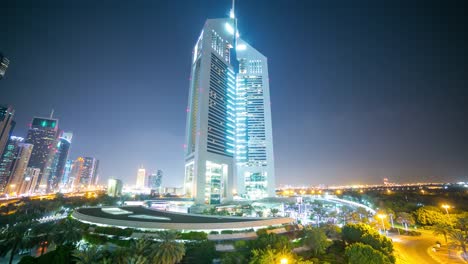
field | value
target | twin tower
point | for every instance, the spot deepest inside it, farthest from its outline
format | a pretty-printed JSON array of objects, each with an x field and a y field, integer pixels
[{"x": 229, "y": 143}]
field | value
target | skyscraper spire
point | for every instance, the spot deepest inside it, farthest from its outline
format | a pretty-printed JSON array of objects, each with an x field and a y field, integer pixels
[
  {"x": 232, "y": 13},
  {"x": 52, "y": 114}
]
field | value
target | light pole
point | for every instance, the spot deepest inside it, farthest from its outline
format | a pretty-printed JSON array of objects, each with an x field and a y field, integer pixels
[
  {"x": 446, "y": 207},
  {"x": 382, "y": 217}
]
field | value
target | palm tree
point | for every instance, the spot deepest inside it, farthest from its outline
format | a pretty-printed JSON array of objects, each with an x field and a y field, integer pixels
[
  {"x": 441, "y": 229},
  {"x": 137, "y": 260},
  {"x": 87, "y": 255},
  {"x": 121, "y": 255},
  {"x": 68, "y": 231},
  {"x": 141, "y": 247},
  {"x": 459, "y": 241},
  {"x": 168, "y": 251},
  {"x": 44, "y": 234},
  {"x": 14, "y": 238},
  {"x": 405, "y": 219}
]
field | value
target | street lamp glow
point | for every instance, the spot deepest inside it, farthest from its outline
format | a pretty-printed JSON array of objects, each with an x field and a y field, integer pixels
[
  {"x": 446, "y": 207},
  {"x": 284, "y": 261},
  {"x": 382, "y": 217}
]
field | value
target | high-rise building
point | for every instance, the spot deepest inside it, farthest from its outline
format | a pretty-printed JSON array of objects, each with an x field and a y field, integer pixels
[
  {"x": 114, "y": 187},
  {"x": 210, "y": 133},
  {"x": 66, "y": 183},
  {"x": 43, "y": 134},
  {"x": 13, "y": 164},
  {"x": 27, "y": 186},
  {"x": 155, "y": 181},
  {"x": 6, "y": 125},
  {"x": 254, "y": 139},
  {"x": 141, "y": 177},
  {"x": 60, "y": 160},
  {"x": 74, "y": 179},
  {"x": 89, "y": 174},
  {"x": 229, "y": 131},
  {"x": 4, "y": 62}
]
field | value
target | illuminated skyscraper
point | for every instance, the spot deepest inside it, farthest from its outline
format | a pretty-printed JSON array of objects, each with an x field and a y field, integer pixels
[
  {"x": 60, "y": 160},
  {"x": 114, "y": 187},
  {"x": 4, "y": 62},
  {"x": 155, "y": 180},
  {"x": 74, "y": 179},
  {"x": 6, "y": 125},
  {"x": 229, "y": 130},
  {"x": 89, "y": 172},
  {"x": 141, "y": 177},
  {"x": 31, "y": 175},
  {"x": 13, "y": 164},
  {"x": 43, "y": 135},
  {"x": 254, "y": 138}
]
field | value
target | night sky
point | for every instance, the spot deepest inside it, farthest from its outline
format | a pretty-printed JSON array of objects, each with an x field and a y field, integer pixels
[{"x": 360, "y": 90}]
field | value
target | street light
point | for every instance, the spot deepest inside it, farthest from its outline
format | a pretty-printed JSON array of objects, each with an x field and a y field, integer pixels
[
  {"x": 446, "y": 207},
  {"x": 284, "y": 261},
  {"x": 382, "y": 217}
]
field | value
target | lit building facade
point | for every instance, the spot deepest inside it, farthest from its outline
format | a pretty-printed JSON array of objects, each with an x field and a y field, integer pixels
[
  {"x": 114, "y": 187},
  {"x": 43, "y": 134},
  {"x": 60, "y": 160},
  {"x": 229, "y": 141},
  {"x": 27, "y": 186},
  {"x": 155, "y": 181},
  {"x": 13, "y": 164},
  {"x": 4, "y": 62},
  {"x": 254, "y": 138},
  {"x": 6, "y": 125},
  {"x": 90, "y": 172},
  {"x": 141, "y": 177}
]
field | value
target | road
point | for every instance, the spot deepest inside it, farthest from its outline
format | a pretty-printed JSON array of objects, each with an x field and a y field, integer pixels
[{"x": 409, "y": 249}]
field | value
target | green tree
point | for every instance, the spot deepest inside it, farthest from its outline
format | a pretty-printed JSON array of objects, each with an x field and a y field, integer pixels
[
  {"x": 459, "y": 241},
  {"x": 274, "y": 212},
  {"x": 14, "y": 238},
  {"x": 272, "y": 256},
  {"x": 316, "y": 240},
  {"x": 442, "y": 229},
  {"x": 68, "y": 231},
  {"x": 44, "y": 234},
  {"x": 200, "y": 252},
  {"x": 87, "y": 255},
  {"x": 430, "y": 215},
  {"x": 405, "y": 219},
  {"x": 168, "y": 251},
  {"x": 359, "y": 253}
]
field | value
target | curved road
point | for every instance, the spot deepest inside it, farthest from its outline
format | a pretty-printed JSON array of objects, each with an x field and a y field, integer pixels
[{"x": 409, "y": 249}]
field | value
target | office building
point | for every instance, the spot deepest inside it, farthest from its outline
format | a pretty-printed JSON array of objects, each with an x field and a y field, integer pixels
[
  {"x": 6, "y": 125},
  {"x": 74, "y": 179},
  {"x": 90, "y": 171},
  {"x": 114, "y": 187},
  {"x": 229, "y": 131},
  {"x": 254, "y": 139},
  {"x": 141, "y": 177},
  {"x": 155, "y": 181},
  {"x": 60, "y": 160},
  {"x": 13, "y": 164},
  {"x": 27, "y": 186},
  {"x": 43, "y": 134},
  {"x": 66, "y": 183},
  {"x": 4, "y": 62}
]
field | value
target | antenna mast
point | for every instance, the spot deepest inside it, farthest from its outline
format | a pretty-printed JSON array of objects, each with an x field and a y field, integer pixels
[{"x": 52, "y": 114}]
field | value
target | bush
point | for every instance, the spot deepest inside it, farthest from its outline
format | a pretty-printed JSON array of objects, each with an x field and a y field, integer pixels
[
  {"x": 214, "y": 233},
  {"x": 193, "y": 236},
  {"x": 95, "y": 239},
  {"x": 115, "y": 231},
  {"x": 227, "y": 232}
]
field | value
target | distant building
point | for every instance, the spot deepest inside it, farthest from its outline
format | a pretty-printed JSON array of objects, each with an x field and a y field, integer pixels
[
  {"x": 61, "y": 158},
  {"x": 174, "y": 190},
  {"x": 74, "y": 178},
  {"x": 66, "y": 174},
  {"x": 6, "y": 125},
  {"x": 43, "y": 135},
  {"x": 140, "y": 182},
  {"x": 29, "y": 182},
  {"x": 13, "y": 164},
  {"x": 114, "y": 187},
  {"x": 89, "y": 173},
  {"x": 155, "y": 181},
  {"x": 4, "y": 62}
]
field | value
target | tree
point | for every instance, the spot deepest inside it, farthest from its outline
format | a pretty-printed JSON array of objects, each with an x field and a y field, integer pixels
[
  {"x": 14, "y": 238},
  {"x": 87, "y": 255},
  {"x": 141, "y": 247},
  {"x": 168, "y": 251},
  {"x": 316, "y": 240},
  {"x": 68, "y": 231},
  {"x": 459, "y": 241},
  {"x": 405, "y": 219},
  {"x": 359, "y": 253},
  {"x": 44, "y": 234},
  {"x": 271, "y": 256},
  {"x": 274, "y": 212},
  {"x": 442, "y": 229},
  {"x": 318, "y": 211},
  {"x": 200, "y": 252},
  {"x": 430, "y": 215}
]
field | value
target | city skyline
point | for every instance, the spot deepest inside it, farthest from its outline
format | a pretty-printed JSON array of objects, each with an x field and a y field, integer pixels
[{"x": 351, "y": 119}]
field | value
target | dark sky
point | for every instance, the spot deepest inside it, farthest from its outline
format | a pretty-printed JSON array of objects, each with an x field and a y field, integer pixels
[{"x": 360, "y": 90}]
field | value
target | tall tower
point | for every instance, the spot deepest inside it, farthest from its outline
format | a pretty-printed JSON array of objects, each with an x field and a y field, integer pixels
[
  {"x": 63, "y": 149},
  {"x": 254, "y": 137},
  {"x": 43, "y": 135},
  {"x": 229, "y": 130},
  {"x": 210, "y": 132},
  {"x": 141, "y": 177},
  {"x": 6, "y": 125},
  {"x": 13, "y": 164}
]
